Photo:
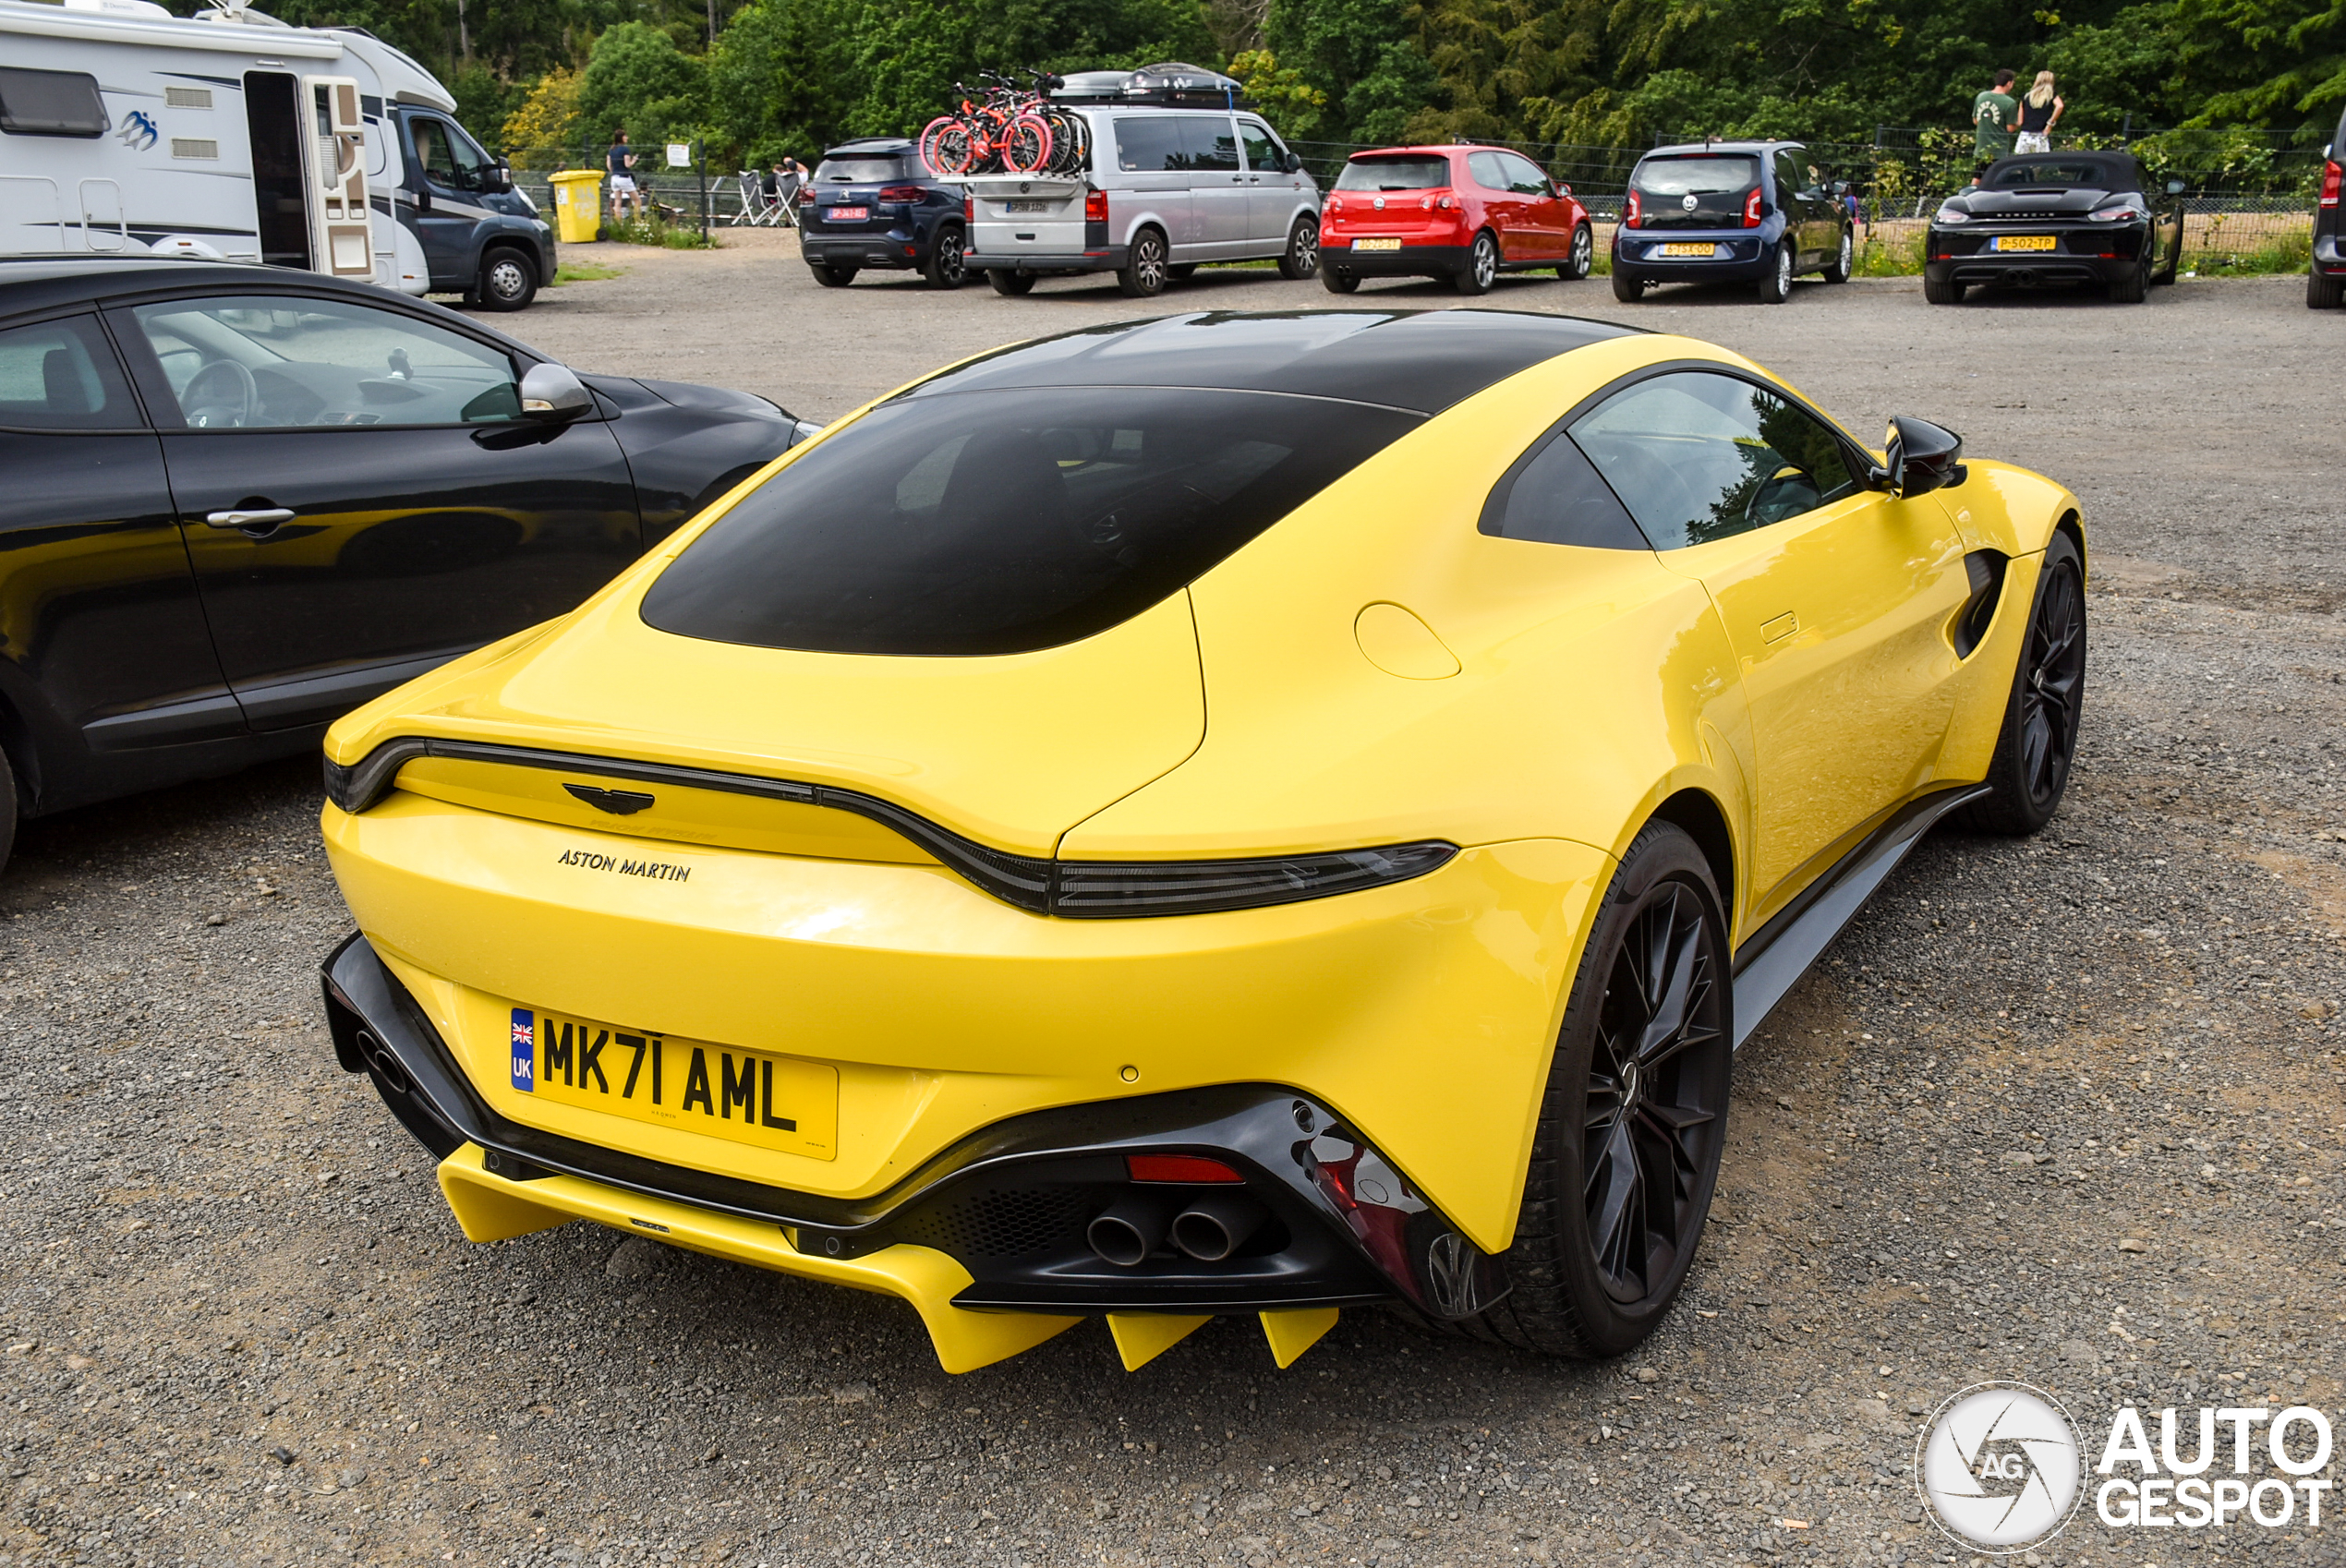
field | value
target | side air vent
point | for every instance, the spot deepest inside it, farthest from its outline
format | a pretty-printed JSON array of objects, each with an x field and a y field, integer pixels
[{"x": 1986, "y": 570}]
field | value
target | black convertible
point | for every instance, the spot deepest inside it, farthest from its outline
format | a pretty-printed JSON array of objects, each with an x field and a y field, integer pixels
[
  {"x": 241, "y": 500},
  {"x": 2056, "y": 218}
]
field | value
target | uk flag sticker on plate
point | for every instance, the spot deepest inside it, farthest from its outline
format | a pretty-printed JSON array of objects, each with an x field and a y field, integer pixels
[{"x": 525, "y": 1050}]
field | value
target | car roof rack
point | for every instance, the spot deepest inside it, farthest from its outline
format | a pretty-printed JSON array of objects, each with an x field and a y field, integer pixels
[{"x": 1168, "y": 85}]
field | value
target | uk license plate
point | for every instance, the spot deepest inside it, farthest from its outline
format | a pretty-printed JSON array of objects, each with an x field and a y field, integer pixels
[
  {"x": 847, "y": 214},
  {"x": 778, "y": 1103},
  {"x": 1377, "y": 245},
  {"x": 2025, "y": 242},
  {"x": 1684, "y": 249},
  {"x": 1026, "y": 206}
]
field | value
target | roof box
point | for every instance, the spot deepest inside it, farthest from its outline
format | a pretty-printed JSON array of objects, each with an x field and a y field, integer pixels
[{"x": 1171, "y": 84}]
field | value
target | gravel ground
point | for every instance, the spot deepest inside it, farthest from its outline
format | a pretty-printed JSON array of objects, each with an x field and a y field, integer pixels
[{"x": 2063, "y": 1111}]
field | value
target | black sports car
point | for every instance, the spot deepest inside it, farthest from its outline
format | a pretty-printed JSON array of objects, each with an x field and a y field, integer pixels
[
  {"x": 241, "y": 500},
  {"x": 2056, "y": 218}
]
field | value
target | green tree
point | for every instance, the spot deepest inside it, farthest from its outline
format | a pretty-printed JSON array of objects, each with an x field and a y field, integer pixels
[
  {"x": 638, "y": 79},
  {"x": 1362, "y": 55},
  {"x": 781, "y": 78}
]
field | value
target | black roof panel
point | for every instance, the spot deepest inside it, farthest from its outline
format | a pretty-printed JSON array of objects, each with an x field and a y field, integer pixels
[{"x": 1420, "y": 360}]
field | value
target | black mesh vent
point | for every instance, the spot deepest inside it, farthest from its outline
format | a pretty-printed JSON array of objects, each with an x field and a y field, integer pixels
[{"x": 1014, "y": 1223}]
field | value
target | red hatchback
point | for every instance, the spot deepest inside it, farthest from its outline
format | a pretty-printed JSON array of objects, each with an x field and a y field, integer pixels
[{"x": 1466, "y": 213}]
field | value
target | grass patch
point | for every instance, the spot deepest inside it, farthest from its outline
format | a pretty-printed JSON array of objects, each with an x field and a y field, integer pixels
[
  {"x": 652, "y": 231},
  {"x": 1898, "y": 255},
  {"x": 583, "y": 273},
  {"x": 2259, "y": 258}
]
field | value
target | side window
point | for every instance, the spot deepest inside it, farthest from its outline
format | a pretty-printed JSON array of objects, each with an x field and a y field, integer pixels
[
  {"x": 1555, "y": 497},
  {"x": 55, "y": 103},
  {"x": 448, "y": 158},
  {"x": 1485, "y": 169},
  {"x": 1523, "y": 176},
  {"x": 1148, "y": 144},
  {"x": 283, "y": 362},
  {"x": 1791, "y": 178},
  {"x": 63, "y": 375},
  {"x": 1263, "y": 153},
  {"x": 1209, "y": 142},
  {"x": 1697, "y": 457}
]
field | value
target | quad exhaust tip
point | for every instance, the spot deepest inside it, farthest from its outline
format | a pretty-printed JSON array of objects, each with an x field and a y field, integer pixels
[
  {"x": 1215, "y": 1227},
  {"x": 1127, "y": 1232},
  {"x": 1209, "y": 1230}
]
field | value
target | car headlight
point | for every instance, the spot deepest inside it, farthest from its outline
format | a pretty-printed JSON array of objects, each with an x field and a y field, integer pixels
[
  {"x": 2124, "y": 213},
  {"x": 1950, "y": 215}
]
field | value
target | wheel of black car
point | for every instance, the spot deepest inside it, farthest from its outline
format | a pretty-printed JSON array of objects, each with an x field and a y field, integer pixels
[
  {"x": 832, "y": 276},
  {"x": 1144, "y": 274},
  {"x": 1481, "y": 268},
  {"x": 1583, "y": 257},
  {"x": 7, "y": 809},
  {"x": 1635, "y": 1116},
  {"x": 948, "y": 263},
  {"x": 1302, "y": 256},
  {"x": 2135, "y": 287},
  {"x": 1776, "y": 287},
  {"x": 1627, "y": 289},
  {"x": 1013, "y": 283},
  {"x": 507, "y": 280},
  {"x": 1338, "y": 283},
  {"x": 2038, "y": 741},
  {"x": 1943, "y": 291},
  {"x": 1844, "y": 259},
  {"x": 2321, "y": 292}
]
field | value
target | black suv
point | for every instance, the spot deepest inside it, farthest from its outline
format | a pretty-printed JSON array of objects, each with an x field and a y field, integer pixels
[
  {"x": 874, "y": 203},
  {"x": 2325, "y": 279},
  {"x": 1731, "y": 211}
]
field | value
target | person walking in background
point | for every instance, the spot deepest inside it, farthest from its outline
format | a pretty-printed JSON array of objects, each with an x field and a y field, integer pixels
[
  {"x": 2039, "y": 111},
  {"x": 618, "y": 169},
  {"x": 1994, "y": 115}
]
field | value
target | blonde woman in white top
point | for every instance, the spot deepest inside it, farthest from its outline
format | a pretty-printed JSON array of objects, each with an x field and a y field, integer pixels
[{"x": 2039, "y": 111}]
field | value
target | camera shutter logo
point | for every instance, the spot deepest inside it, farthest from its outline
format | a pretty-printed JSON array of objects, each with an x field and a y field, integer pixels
[{"x": 2000, "y": 1468}]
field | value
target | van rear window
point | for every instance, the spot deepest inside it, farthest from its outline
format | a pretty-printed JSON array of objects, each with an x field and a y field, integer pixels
[
  {"x": 50, "y": 103},
  {"x": 1393, "y": 174},
  {"x": 1695, "y": 176},
  {"x": 984, "y": 522}
]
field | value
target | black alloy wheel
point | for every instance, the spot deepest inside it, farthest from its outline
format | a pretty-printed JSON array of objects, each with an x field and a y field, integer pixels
[
  {"x": 2038, "y": 741},
  {"x": 948, "y": 264},
  {"x": 1776, "y": 287},
  {"x": 1302, "y": 256},
  {"x": 1481, "y": 268},
  {"x": 1633, "y": 1124},
  {"x": 1583, "y": 257},
  {"x": 831, "y": 275},
  {"x": 1144, "y": 273},
  {"x": 1336, "y": 281},
  {"x": 507, "y": 280},
  {"x": 2135, "y": 287}
]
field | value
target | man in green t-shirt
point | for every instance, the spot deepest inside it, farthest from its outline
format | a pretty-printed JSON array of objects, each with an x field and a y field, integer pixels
[{"x": 1995, "y": 115}]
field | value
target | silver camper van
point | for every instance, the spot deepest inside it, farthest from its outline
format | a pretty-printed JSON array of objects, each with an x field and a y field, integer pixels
[
  {"x": 231, "y": 136},
  {"x": 1180, "y": 172}
]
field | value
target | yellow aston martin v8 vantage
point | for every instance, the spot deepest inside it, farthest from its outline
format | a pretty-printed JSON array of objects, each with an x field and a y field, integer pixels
[{"x": 1221, "y": 814}]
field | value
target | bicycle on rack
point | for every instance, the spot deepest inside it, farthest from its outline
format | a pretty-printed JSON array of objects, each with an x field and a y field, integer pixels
[{"x": 1008, "y": 129}]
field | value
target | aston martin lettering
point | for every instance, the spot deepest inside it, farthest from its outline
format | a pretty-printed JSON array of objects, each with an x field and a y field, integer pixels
[{"x": 659, "y": 871}]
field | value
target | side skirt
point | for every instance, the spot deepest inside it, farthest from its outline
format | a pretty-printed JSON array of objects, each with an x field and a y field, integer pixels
[{"x": 1779, "y": 953}]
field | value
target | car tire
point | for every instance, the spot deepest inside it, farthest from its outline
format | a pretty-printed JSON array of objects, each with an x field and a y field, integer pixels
[
  {"x": 508, "y": 279},
  {"x": 1009, "y": 282},
  {"x": 1592, "y": 1270},
  {"x": 1301, "y": 259},
  {"x": 7, "y": 809},
  {"x": 1145, "y": 271},
  {"x": 1776, "y": 287},
  {"x": 831, "y": 275},
  {"x": 1481, "y": 269},
  {"x": 1942, "y": 292},
  {"x": 948, "y": 263},
  {"x": 2166, "y": 274},
  {"x": 1583, "y": 257},
  {"x": 2038, "y": 741},
  {"x": 1338, "y": 283},
  {"x": 2135, "y": 287},
  {"x": 1627, "y": 289},
  {"x": 1844, "y": 259},
  {"x": 2324, "y": 294}
]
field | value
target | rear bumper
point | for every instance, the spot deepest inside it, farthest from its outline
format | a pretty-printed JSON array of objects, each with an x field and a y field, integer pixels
[
  {"x": 880, "y": 252},
  {"x": 2330, "y": 251},
  {"x": 1409, "y": 262},
  {"x": 2024, "y": 269},
  {"x": 1107, "y": 258},
  {"x": 1036, "y": 1179},
  {"x": 1748, "y": 254}
]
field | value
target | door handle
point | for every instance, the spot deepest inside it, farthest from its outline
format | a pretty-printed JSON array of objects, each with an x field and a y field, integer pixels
[{"x": 255, "y": 523}]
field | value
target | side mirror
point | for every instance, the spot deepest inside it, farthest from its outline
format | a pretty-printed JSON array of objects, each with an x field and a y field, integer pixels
[
  {"x": 1295, "y": 163},
  {"x": 552, "y": 392},
  {"x": 1923, "y": 457},
  {"x": 2174, "y": 188},
  {"x": 500, "y": 176}
]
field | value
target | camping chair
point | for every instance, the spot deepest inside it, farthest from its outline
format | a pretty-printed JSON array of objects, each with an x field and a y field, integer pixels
[{"x": 754, "y": 200}]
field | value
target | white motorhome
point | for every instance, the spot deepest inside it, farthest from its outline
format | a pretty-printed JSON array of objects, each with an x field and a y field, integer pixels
[{"x": 232, "y": 137}]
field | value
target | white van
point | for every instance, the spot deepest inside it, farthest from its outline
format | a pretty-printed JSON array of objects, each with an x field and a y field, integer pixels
[
  {"x": 231, "y": 136},
  {"x": 1180, "y": 172}
]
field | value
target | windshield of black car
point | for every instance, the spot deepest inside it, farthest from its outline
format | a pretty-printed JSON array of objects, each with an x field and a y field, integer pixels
[
  {"x": 1393, "y": 174},
  {"x": 2059, "y": 173},
  {"x": 1695, "y": 176},
  {"x": 858, "y": 170},
  {"x": 995, "y": 523}
]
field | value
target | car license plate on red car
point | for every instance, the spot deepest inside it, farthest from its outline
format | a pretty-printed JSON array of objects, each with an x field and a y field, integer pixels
[
  {"x": 1377, "y": 245},
  {"x": 1704, "y": 251},
  {"x": 779, "y": 1102},
  {"x": 847, "y": 214}
]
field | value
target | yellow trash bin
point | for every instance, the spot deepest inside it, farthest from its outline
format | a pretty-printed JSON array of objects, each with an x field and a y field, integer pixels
[{"x": 578, "y": 204}]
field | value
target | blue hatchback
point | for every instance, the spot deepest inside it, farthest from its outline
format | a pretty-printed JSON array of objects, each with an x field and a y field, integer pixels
[
  {"x": 1731, "y": 211},
  {"x": 874, "y": 204}
]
